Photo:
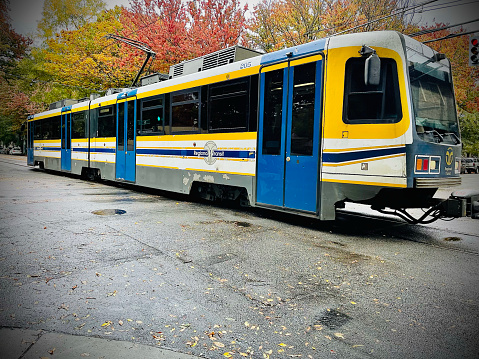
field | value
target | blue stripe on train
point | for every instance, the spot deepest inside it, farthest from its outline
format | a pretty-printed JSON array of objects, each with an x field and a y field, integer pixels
[
  {"x": 361, "y": 155},
  {"x": 196, "y": 153}
]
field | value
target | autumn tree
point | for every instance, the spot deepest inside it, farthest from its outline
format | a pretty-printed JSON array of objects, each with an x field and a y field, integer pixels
[
  {"x": 179, "y": 30},
  {"x": 13, "y": 46},
  {"x": 283, "y": 23},
  {"x": 85, "y": 59},
  {"x": 67, "y": 15},
  {"x": 14, "y": 104}
]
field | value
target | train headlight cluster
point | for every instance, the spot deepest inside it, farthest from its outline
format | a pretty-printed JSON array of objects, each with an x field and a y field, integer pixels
[{"x": 428, "y": 164}]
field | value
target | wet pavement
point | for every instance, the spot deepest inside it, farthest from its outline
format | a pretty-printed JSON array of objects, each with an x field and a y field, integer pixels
[{"x": 96, "y": 261}]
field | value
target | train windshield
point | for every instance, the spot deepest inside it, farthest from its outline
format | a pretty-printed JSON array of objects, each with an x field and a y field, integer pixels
[{"x": 433, "y": 96}]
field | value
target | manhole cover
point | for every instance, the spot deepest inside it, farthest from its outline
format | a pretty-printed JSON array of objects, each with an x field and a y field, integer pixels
[
  {"x": 332, "y": 319},
  {"x": 109, "y": 212}
]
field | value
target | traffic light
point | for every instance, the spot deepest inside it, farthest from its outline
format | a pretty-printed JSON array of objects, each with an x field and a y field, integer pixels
[{"x": 474, "y": 50}]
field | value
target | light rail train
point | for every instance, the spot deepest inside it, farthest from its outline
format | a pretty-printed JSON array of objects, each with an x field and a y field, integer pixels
[{"x": 367, "y": 118}]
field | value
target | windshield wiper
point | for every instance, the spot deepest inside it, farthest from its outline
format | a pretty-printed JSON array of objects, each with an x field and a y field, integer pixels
[
  {"x": 436, "y": 134},
  {"x": 452, "y": 134}
]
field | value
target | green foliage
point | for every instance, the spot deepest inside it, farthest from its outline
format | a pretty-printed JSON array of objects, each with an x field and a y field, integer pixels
[
  {"x": 84, "y": 60},
  {"x": 66, "y": 15},
  {"x": 469, "y": 123},
  {"x": 13, "y": 46}
]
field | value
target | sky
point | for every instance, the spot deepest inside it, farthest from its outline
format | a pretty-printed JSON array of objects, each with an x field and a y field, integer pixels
[{"x": 26, "y": 14}]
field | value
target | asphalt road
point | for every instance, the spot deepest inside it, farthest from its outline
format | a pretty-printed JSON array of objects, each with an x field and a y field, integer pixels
[{"x": 219, "y": 282}]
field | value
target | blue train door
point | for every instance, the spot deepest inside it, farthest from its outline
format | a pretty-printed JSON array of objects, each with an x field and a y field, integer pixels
[
  {"x": 30, "y": 134},
  {"x": 66, "y": 138},
  {"x": 126, "y": 139},
  {"x": 289, "y": 135}
]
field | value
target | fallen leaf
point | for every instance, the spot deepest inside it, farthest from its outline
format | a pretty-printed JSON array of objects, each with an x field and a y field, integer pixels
[
  {"x": 339, "y": 335},
  {"x": 219, "y": 344},
  {"x": 106, "y": 324}
]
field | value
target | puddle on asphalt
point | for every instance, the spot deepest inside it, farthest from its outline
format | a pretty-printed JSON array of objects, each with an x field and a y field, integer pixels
[
  {"x": 109, "y": 212},
  {"x": 242, "y": 224},
  {"x": 331, "y": 319},
  {"x": 452, "y": 239}
]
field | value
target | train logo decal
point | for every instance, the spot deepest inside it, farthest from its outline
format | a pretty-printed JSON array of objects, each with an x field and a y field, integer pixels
[
  {"x": 210, "y": 153},
  {"x": 449, "y": 156}
]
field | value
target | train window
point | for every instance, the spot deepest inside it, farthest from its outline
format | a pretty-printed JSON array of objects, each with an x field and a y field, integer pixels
[
  {"x": 371, "y": 103},
  {"x": 253, "y": 103},
  {"x": 55, "y": 126},
  {"x": 37, "y": 130},
  {"x": 50, "y": 128},
  {"x": 228, "y": 106},
  {"x": 121, "y": 127},
  {"x": 273, "y": 112},
  {"x": 302, "y": 117},
  {"x": 79, "y": 128},
  {"x": 47, "y": 129},
  {"x": 29, "y": 134},
  {"x": 152, "y": 119},
  {"x": 130, "y": 129},
  {"x": 106, "y": 122},
  {"x": 185, "y": 112}
]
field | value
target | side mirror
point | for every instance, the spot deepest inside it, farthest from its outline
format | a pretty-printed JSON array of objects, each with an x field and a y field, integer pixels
[{"x": 372, "y": 70}]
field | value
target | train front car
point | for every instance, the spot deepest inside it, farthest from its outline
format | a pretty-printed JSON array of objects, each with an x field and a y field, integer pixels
[{"x": 395, "y": 138}]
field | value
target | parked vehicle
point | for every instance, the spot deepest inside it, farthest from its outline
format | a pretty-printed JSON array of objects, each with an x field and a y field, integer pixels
[
  {"x": 16, "y": 151},
  {"x": 470, "y": 165}
]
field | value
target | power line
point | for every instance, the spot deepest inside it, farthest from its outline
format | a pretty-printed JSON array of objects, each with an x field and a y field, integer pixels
[
  {"x": 423, "y": 32},
  {"x": 385, "y": 17},
  {"x": 450, "y": 36},
  {"x": 447, "y": 5}
]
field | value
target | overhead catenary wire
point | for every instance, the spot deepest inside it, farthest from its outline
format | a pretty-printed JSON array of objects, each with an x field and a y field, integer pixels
[
  {"x": 399, "y": 11},
  {"x": 450, "y": 36},
  {"x": 429, "y": 31},
  {"x": 404, "y": 10}
]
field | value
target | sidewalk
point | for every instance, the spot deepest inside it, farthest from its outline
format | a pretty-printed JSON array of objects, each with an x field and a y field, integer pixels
[{"x": 37, "y": 344}]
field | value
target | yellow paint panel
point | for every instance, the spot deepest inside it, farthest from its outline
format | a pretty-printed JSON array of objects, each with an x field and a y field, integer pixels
[
  {"x": 103, "y": 104},
  {"x": 79, "y": 109},
  {"x": 225, "y": 172},
  {"x": 330, "y": 150},
  {"x": 104, "y": 139},
  {"x": 36, "y": 142},
  {"x": 275, "y": 67},
  {"x": 366, "y": 183},
  {"x": 201, "y": 137},
  {"x": 333, "y": 102},
  {"x": 306, "y": 60},
  {"x": 49, "y": 115}
]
